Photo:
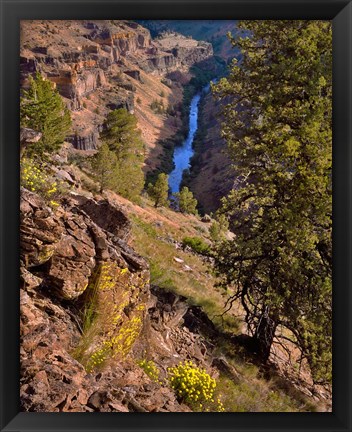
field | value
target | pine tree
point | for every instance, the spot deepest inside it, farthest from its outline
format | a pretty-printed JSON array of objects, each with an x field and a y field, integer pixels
[
  {"x": 121, "y": 134},
  {"x": 160, "y": 190},
  {"x": 124, "y": 140},
  {"x": 278, "y": 129},
  {"x": 105, "y": 168},
  {"x": 42, "y": 109},
  {"x": 186, "y": 202}
]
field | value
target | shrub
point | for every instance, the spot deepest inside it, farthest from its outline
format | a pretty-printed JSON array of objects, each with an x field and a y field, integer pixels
[
  {"x": 37, "y": 178},
  {"x": 158, "y": 106},
  {"x": 193, "y": 385},
  {"x": 186, "y": 201},
  {"x": 171, "y": 110},
  {"x": 197, "y": 244},
  {"x": 150, "y": 369}
]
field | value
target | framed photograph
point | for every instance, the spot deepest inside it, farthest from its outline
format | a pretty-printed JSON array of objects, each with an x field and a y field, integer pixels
[{"x": 176, "y": 215}]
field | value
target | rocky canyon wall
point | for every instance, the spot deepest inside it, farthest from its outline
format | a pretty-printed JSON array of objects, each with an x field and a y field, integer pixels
[{"x": 94, "y": 64}]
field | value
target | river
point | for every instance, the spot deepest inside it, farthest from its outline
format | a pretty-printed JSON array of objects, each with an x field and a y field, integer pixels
[{"x": 184, "y": 152}]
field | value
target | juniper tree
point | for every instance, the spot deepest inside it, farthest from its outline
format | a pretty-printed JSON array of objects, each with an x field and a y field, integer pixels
[
  {"x": 42, "y": 109},
  {"x": 277, "y": 124},
  {"x": 105, "y": 168},
  {"x": 186, "y": 202},
  {"x": 160, "y": 190},
  {"x": 124, "y": 139}
]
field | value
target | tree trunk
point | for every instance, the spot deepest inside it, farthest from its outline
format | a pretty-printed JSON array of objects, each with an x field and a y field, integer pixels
[{"x": 264, "y": 335}]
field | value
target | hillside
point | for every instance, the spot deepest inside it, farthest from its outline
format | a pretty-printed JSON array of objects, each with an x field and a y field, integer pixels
[{"x": 175, "y": 318}]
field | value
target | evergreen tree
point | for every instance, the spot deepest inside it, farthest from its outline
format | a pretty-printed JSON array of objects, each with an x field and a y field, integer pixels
[
  {"x": 186, "y": 202},
  {"x": 105, "y": 168},
  {"x": 160, "y": 190},
  {"x": 278, "y": 129},
  {"x": 121, "y": 134},
  {"x": 124, "y": 140},
  {"x": 219, "y": 227},
  {"x": 42, "y": 109}
]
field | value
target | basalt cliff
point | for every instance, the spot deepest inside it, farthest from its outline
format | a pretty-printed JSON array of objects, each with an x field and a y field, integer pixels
[{"x": 104, "y": 65}]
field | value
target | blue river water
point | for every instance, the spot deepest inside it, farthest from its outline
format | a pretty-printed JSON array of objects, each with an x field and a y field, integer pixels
[{"x": 184, "y": 152}]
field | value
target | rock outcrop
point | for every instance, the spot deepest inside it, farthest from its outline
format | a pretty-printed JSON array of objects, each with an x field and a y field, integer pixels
[
  {"x": 66, "y": 246},
  {"x": 28, "y": 136},
  {"x": 87, "y": 313}
]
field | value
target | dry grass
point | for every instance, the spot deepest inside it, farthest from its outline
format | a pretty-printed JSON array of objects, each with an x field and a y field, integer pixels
[{"x": 150, "y": 239}]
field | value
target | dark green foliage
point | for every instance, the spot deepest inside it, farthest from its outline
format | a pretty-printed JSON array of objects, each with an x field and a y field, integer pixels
[
  {"x": 121, "y": 132},
  {"x": 186, "y": 202},
  {"x": 278, "y": 130},
  {"x": 105, "y": 168},
  {"x": 219, "y": 227},
  {"x": 197, "y": 244},
  {"x": 124, "y": 140},
  {"x": 166, "y": 163},
  {"x": 42, "y": 109},
  {"x": 160, "y": 190}
]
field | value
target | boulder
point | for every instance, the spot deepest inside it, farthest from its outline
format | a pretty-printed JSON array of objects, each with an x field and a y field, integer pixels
[
  {"x": 107, "y": 216},
  {"x": 135, "y": 74}
]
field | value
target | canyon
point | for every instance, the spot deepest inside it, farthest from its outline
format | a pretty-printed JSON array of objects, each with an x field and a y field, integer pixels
[
  {"x": 99, "y": 66},
  {"x": 106, "y": 283}
]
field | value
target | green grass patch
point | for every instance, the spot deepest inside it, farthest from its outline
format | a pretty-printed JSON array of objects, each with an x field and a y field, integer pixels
[{"x": 197, "y": 244}]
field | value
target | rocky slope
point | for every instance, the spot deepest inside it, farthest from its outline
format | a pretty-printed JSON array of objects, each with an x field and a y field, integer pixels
[
  {"x": 76, "y": 256},
  {"x": 98, "y": 66},
  {"x": 89, "y": 316}
]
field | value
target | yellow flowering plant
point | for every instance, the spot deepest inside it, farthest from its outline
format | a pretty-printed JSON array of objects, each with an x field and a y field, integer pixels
[
  {"x": 150, "y": 369},
  {"x": 193, "y": 385},
  {"x": 37, "y": 178}
]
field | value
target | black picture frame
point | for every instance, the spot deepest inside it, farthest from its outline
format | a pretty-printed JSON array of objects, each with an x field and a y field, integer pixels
[{"x": 12, "y": 11}]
